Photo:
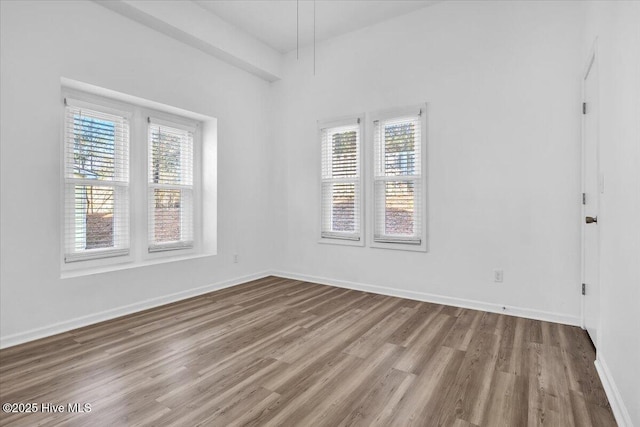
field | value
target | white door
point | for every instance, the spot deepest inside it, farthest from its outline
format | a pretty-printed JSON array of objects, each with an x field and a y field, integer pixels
[{"x": 592, "y": 186}]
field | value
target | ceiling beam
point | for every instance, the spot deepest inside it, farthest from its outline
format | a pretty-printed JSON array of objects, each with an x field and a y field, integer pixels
[{"x": 191, "y": 24}]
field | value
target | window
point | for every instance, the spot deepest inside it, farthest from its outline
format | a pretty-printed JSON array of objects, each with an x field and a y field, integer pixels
[
  {"x": 170, "y": 186},
  {"x": 341, "y": 180},
  {"x": 133, "y": 192},
  {"x": 399, "y": 185},
  {"x": 96, "y": 178}
]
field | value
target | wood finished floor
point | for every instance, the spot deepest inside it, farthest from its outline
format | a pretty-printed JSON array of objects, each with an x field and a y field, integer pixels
[{"x": 283, "y": 352}]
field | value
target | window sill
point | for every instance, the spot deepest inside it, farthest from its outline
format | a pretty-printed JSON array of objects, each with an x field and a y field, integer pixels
[
  {"x": 341, "y": 242},
  {"x": 128, "y": 265},
  {"x": 400, "y": 246}
]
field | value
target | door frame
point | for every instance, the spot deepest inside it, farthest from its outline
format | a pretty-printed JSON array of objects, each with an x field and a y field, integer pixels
[{"x": 592, "y": 60}]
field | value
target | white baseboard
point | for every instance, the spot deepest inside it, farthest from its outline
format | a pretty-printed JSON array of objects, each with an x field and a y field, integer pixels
[
  {"x": 620, "y": 412},
  {"x": 67, "y": 325},
  {"x": 78, "y": 322},
  {"x": 438, "y": 299}
]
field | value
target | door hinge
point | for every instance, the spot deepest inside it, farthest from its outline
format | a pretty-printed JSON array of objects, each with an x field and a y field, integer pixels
[
  {"x": 584, "y": 198},
  {"x": 584, "y": 289},
  {"x": 584, "y": 108}
]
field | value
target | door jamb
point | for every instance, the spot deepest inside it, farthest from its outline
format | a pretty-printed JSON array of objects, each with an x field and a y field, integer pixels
[{"x": 592, "y": 57}]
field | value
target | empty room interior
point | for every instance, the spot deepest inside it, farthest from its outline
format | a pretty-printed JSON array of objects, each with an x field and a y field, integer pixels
[{"x": 320, "y": 213}]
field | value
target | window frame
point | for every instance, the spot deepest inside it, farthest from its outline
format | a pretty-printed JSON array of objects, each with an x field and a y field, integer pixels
[
  {"x": 387, "y": 115},
  {"x": 91, "y": 257},
  {"x": 335, "y": 238},
  {"x": 137, "y": 111},
  {"x": 172, "y": 248}
]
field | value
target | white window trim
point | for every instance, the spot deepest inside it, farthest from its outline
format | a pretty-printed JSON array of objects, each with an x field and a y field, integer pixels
[
  {"x": 358, "y": 119},
  {"x": 137, "y": 113},
  {"x": 386, "y": 115}
]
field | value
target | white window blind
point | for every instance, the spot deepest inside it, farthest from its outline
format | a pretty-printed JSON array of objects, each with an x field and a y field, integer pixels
[
  {"x": 170, "y": 198},
  {"x": 341, "y": 184},
  {"x": 96, "y": 176},
  {"x": 398, "y": 184}
]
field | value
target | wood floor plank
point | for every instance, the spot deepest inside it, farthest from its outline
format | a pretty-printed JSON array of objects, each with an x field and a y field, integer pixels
[
  {"x": 276, "y": 351},
  {"x": 508, "y": 403},
  {"x": 439, "y": 406},
  {"x": 422, "y": 349},
  {"x": 410, "y": 411},
  {"x": 474, "y": 380},
  {"x": 303, "y": 404},
  {"x": 548, "y": 387},
  {"x": 372, "y": 339},
  {"x": 579, "y": 409},
  {"x": 463, "y": 329},
  {"x": 355, "y": 383},
  {"x": 411, "y": 328},
  {"x": 369, "y": 407}
]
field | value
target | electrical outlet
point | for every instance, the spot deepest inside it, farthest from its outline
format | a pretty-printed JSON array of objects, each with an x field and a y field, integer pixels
[
  {"x": 235, "y": 258},
  {"x": 498, "y": 276}
]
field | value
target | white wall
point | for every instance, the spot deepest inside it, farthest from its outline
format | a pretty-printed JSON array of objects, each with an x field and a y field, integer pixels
[
  {"x": 502, "y": 80},
  {"x": 43, "y": 41},
  {"x": 617, "y": 27}
]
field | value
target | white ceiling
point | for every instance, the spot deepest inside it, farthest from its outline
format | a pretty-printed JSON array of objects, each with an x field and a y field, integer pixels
[{"x": 274, "y": 21}]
